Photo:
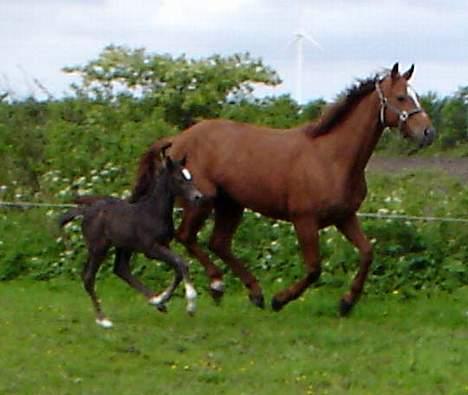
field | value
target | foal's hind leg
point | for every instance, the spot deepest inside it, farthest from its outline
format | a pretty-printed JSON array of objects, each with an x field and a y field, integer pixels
[
  {"x": 165, "y": 254},
  {"x": 89, "y": 278},
  {"x": 307, "y": 233},
  {"x": 351, "y": 228},
  {"x": 122, "y": 269},
  {"x": 228, "y": 216},
  {"x": 192, "y": 222}
]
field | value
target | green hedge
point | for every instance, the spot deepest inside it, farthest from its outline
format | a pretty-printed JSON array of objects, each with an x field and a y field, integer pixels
[{"x": 408, "y": 255}]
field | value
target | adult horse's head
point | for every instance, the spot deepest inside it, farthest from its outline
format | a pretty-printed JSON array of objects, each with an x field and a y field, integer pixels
[{"x": 400, "y": 107}]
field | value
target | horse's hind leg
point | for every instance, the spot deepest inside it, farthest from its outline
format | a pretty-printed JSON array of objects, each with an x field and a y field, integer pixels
[
  {"x": 351, "y": 228},
  {"x": 307, "y": 234},
  {"x": 192, "y": 222},
  {"x": 89, "y": 278},
  {"x": 122, "y": 270},
  {"x": 228, "y": 216}
]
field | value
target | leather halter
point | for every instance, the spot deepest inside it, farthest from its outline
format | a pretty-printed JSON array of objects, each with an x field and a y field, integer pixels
[{"x": 403, "y": 115}]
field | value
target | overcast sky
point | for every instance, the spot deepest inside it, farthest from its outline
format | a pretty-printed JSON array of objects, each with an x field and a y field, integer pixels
[{"x": 359, "y": 37}]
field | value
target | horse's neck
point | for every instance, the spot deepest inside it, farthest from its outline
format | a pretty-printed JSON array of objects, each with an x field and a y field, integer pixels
[{"x": 357, "y": 137}]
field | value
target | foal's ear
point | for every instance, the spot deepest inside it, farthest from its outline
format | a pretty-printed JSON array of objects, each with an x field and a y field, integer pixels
[
  {"x": 408, "y": 73},
  {"x": 183, "y": 161},
  {"x": 168, "y": 163},
  {"x": 394, "y": 73}
]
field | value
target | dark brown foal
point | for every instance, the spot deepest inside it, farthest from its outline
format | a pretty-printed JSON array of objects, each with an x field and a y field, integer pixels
[{"x": 144, "y": 226}]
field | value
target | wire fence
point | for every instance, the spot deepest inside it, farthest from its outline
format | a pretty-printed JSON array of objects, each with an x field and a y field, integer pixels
[{"x": 400, "y": 217}]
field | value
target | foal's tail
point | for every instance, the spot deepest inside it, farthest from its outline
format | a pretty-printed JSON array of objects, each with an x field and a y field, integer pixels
[
  {"x": 83, "y": 202},
  {"x": 70, "y": 215},
  {"x": 149, "y": 163}
]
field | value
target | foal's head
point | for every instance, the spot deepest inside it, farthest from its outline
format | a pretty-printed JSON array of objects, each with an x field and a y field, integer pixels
[
  {"x": 400, "y": 107},
  {"x": 180, "y": 179}
]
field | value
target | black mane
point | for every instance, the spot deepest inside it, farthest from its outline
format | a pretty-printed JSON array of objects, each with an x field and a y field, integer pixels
[{"x": 337, "y": 111}]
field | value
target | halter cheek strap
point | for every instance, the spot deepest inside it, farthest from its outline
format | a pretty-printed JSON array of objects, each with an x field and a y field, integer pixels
[{"x": 403, "y": 115}]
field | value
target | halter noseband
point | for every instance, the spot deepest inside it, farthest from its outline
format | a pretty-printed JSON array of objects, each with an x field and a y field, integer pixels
[{"x": 403, "y": 115}]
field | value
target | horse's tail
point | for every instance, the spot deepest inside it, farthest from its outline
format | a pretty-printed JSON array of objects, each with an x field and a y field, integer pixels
[
  {"x": 70, "y": 215},
  {"x": 149, "y": 163}
]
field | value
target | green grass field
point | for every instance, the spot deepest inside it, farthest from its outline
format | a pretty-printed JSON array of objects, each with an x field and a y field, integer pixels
[{"x": 49, "y": 344}]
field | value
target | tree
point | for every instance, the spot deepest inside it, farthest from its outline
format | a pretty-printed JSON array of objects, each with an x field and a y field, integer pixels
[{"x": 186, "y": 89}]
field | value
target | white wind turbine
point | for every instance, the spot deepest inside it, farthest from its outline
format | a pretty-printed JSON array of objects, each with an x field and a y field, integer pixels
[{"x": 299, "y": 38}]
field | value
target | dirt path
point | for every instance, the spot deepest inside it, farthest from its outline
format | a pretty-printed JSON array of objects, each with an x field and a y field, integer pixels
[{"x": 455, "y": 167}]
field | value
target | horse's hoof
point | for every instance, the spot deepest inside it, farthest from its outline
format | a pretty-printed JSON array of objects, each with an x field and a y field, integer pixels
[
  {"x": 276, "y": 305},
  {"x": 345, "y": 307},
  {"x": 217, "y": 296},
  {"x": 258, "y": 300},
  {"x": 217, "y": 291},
  {"x": 104, "y": 323}
]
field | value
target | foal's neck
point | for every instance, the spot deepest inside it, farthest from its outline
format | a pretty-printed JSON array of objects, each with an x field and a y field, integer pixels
[{"x": 160, "y": 200}]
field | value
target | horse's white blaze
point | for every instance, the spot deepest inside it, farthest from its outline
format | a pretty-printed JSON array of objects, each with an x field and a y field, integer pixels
[
  {"x": 412, "y": 93},
  {"x": 104, "y": 323},
  {"x": 217, "y": 285},
  {"x": 187, "y": 175}
]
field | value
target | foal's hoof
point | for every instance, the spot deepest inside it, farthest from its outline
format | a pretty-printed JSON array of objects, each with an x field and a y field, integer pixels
[
  {"x": 345, "y": 307},
  {"x": 276, "y": 305},
  {"x": 104, "y": 323},
  {"x": 161, "y": 308},
  {"x": 257, "y": 300}
]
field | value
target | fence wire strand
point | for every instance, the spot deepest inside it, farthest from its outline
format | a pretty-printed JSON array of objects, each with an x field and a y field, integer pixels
[{"x": 401, "y": 217}]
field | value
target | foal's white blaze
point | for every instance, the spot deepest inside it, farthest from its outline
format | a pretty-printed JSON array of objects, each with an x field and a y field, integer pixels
[
  {"x": 217, "y": 285},
  {"x": 104, "y": 322},
  {"x": 191, "y": 296},
  {"x": 187, "y": 175}
]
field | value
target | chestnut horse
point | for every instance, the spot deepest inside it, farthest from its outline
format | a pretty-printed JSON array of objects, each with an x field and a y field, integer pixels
[{"x": 312, "y": 176}]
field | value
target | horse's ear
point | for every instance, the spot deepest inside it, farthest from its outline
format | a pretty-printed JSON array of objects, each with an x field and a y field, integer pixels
[
  {"x": 184, "y": 160},
  {"x": 407, "y": 74},
  {"x": 394, "y": 72},
  {"x": 164, "y": 150}
]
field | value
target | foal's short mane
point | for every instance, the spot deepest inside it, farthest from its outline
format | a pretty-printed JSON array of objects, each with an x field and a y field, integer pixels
[{"x": 336, "y": 112}]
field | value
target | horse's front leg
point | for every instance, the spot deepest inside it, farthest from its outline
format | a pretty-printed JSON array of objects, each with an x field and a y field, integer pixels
[
  {"x": 308, "y": 236},
  {"x": 351, "y": 228},
  {"x": 164, "y": 254}
]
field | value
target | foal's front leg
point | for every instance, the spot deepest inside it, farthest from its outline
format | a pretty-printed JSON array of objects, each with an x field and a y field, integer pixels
[{"x": 181, "y": 272}]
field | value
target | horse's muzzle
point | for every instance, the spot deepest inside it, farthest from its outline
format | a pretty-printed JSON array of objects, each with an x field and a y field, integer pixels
[{"x": 428, "y": 137}]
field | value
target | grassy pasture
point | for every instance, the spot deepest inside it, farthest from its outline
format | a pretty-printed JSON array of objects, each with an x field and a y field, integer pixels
[{"x": 49, "y": 344}]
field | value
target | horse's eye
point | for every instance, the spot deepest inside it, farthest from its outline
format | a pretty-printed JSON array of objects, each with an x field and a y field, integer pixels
[{"x": 401, "y": 98}]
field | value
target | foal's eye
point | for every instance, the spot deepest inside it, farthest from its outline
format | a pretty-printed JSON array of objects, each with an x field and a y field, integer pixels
[{"x": 401, "y": 98}]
